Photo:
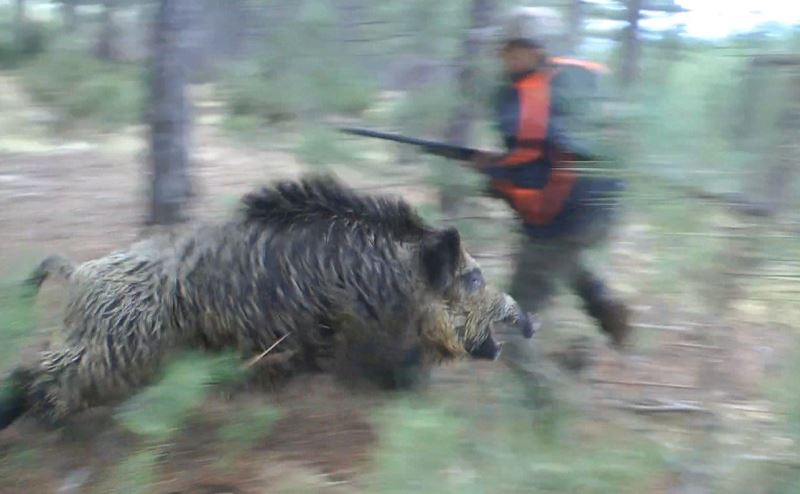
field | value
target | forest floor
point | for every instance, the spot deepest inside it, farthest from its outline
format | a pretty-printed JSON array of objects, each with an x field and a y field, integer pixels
[{"x": 81, "y": 194}]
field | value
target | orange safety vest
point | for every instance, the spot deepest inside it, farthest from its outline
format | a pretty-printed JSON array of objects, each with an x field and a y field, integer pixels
[{"x": 539, "y": 206}]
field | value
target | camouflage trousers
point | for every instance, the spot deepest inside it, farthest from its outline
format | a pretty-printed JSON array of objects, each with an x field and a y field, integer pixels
[
  {"x": 544, "y": 264},
  {"x": 541, "y": 265}
]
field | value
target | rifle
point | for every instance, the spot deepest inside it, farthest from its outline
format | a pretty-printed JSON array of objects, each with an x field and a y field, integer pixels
[
  {"x": 450, "y": 151},
  {"x": 733, "y": 202}
]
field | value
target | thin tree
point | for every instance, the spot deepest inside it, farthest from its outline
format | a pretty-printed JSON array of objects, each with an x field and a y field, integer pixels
[
  {"x": 70, "y": 16},
  {"x": 460, "y": 127},
  {"x": 575, "y": 18},
  {"x": 19, "y": 23},
  {"x": 631, "y": 44},
  {"x": 107, "y": 42},
  {"x": 170, "y": 112}
]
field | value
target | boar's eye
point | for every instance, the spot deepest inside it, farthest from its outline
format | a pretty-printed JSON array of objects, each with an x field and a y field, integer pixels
[{"x": 473, "y": 281}]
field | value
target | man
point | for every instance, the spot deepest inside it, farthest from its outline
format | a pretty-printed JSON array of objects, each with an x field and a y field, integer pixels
[{"x": 563, "y": 213}]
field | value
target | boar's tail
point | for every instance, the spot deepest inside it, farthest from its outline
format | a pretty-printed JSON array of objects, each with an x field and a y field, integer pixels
[{"x": 53, "y": 265}]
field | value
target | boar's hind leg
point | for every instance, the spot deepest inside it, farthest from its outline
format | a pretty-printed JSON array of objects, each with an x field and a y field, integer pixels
[
  {"x": 54, "y": 265},
  {"x": 69, "y": 380}
]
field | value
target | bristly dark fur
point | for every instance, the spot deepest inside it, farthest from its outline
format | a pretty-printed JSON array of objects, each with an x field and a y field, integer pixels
[{"x": 321, "y": 198}]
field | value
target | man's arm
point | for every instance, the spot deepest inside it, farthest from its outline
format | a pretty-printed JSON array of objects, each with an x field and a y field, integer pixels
[{"x": 504, "y": 166}]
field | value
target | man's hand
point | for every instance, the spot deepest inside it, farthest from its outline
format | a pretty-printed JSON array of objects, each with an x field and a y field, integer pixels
[{"x": 483, "y": 159}]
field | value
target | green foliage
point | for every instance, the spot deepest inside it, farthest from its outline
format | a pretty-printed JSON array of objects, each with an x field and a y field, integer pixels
[
  {"x": 503, "y": 445},
  {"x": 437, "y": 27},
  {"x": 779, "y": 472},
  {"x": 249, "y": 94},
  {"x": 341, "y": 90},
  {"x": 685, "y": 128},
  {"x": 17, "y": 319},
  {"x": 159, "y": 411},
  {"x": 20, "y": 456},
  {"x": 264, "y": 97},
  {"x": 250, "y": 424},
  {"x": 302, "y": 71},
  {"x": 244, "y": 127},
  {"x": 16, "y": 461},
  {"x": 320, "y": 147},
  {"x": 786, "y": 393},
  {"x": 13, "y": 51},
  {"x": 84, "y": 88},
  {"x": 418, "y": 439},
  {"x": 684, "y": 121},
  {"x": 427, "y": 111},
  {"x": 135, "y": 475}
]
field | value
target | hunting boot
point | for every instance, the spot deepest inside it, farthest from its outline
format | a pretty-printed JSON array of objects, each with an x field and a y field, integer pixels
[{"x": 612, "y": 315}]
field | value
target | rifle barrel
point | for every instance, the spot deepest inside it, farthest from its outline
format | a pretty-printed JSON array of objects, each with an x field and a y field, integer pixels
[{"x": 438, "y": 148}]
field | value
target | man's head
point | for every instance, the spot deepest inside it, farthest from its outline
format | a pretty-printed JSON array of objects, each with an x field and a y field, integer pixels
[{"x": 527, "y": 35}]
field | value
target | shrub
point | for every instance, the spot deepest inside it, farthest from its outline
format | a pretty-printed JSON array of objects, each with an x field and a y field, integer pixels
[
  {"x": 249, "y": 93},
  {"x": 13, "y": 52},
  {"x": 84, "y": 88},
  {"x": 320, "y": 148},
  {"x": 159, "y": 410}
]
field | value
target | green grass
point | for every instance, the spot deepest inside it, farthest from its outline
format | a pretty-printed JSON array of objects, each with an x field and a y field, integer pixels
[
  {"x": 137, "y": 474},
  {"x": 502, "y": 444},
  {"x": 17, "y": 319},
  {"x": 247, "y": 426},
  {"x": 159, "y": 411},
  {"x": 779, "y": 474}
]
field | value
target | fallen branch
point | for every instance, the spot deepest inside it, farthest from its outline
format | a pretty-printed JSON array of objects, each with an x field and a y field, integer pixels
[
  {"x": 253, "y": 361},
  {"x": 665, "y": 408},
  {"x": 662, "y": 327},
  {"x": 643, "y": 383},
  {"x": 787, "y": 461},
  {"x": 698, "y": 346}
]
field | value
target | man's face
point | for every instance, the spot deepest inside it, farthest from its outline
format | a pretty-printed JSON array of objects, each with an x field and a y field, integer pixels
[{"x": 519, "y": 58}]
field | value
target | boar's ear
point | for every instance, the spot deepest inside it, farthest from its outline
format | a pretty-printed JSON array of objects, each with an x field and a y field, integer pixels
[{"x": 441, "y": 253}]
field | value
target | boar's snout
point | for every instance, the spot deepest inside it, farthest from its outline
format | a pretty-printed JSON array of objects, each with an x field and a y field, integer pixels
[{"x": 526, "y": 323}]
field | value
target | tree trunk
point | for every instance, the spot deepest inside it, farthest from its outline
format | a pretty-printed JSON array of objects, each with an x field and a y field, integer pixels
[
  {"x": 460, "y": 128},
  {"x": 70, "y": 16},
  {"x": 107, "y": 42},
  {"x": 631, "y": 45},
  {"x": 19, "y": 23},
  {"x": 170, "y": 112},
  {"x": 782, "y": 170},
  {"x": 575, "y": 20}
]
